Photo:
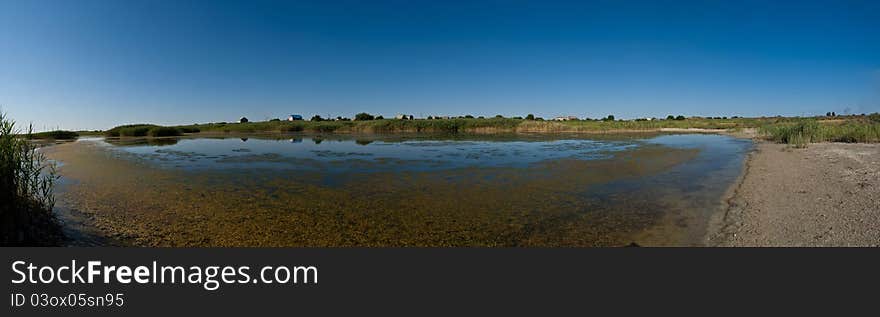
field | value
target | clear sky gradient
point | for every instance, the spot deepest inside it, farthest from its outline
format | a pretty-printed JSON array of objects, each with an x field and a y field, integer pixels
[{"x": 96, "y": 64}]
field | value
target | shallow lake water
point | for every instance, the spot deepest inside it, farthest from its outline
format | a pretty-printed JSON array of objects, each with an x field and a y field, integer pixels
[{"x": 402, "y": 190}]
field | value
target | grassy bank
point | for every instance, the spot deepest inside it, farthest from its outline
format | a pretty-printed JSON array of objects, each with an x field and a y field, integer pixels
[
  {"x": 796, "y": 131},
  {"x": 456, "y": 125},
  {"x": 26, "y": 191},
  {"x": 802, "y": 132}
]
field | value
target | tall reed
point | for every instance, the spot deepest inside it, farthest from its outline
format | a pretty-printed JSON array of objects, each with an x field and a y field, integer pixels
[{"x": 27, "y": 180}]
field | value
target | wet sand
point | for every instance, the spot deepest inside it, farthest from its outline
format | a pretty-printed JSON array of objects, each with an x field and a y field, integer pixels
[{"x": 825, "y": 195}]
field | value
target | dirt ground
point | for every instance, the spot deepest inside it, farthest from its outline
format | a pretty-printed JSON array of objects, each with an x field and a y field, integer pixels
[{"x": 825, "y": 195}]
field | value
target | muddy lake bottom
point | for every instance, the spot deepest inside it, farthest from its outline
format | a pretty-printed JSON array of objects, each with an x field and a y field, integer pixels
[{"x": 311, "y": 190}]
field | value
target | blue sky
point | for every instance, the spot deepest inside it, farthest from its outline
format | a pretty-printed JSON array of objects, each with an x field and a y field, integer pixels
[{"x": 97, "y": 64}]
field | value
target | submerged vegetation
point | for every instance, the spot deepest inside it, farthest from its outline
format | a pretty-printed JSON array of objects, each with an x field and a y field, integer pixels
[{"x": 26, "y": 190}]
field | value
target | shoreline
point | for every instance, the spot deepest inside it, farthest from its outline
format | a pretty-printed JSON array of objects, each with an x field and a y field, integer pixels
[
  {"x": 722, "y": 225},
  {"x": 824, "y": 195}
]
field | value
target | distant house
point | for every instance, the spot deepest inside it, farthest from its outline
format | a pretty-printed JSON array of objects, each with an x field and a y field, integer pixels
[
  {"x": 243, "y": 120},
  {"x": 566, "y": 118},
  {"x": 404, "y": 117},
  {"x": 294, "y": 117}
]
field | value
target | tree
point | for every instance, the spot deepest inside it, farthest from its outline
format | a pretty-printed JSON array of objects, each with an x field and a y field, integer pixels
[
  {"x": 317, "y": 118},
  {"x": 670, "y": 117},
  {"x": 363, "y": 116},
  {"x": 680, "y": 117},
  {"x": 499, "y": 116},
  {"x": 610, "y": 117},
  {"x": 380, "y": 117},
  {"x": 828, "y": 114},
  {"x": 468, "y": 117},
  {"x": 530, "y": 117}
]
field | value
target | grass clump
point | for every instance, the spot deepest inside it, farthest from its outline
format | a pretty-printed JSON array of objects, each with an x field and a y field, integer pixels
[
  {"x": 797, "y": 134},
  {"x": 27, "y": 181}
]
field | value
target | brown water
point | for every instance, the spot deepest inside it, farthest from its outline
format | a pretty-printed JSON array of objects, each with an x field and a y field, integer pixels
[{"x": 397, "y": 191}]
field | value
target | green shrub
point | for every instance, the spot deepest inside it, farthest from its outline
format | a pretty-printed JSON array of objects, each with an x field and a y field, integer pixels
[
  {"x": 130, "y": 130},
  {"x": 363, "y": 116},
  {"x": 189, "y": 129},
  {"x": 163, "y": 131},
  {"x": 56, "y": 135}
]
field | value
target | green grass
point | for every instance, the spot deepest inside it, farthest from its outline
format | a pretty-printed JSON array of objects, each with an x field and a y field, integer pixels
[
  {"x": 802, "y": 132},
  {"x": 27, "y": 181}
]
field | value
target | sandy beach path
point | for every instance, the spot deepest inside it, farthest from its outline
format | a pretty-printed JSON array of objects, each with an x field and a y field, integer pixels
[{"x": 825, "y": 195}]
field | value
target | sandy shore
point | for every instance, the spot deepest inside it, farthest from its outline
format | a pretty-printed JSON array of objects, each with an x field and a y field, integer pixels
[{"x": 825, "y": 195}]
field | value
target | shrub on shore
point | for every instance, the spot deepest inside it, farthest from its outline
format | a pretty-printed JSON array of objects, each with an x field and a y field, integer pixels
[
  {"x": 151, "y": 130},
  {"x": 163, "y": 131},
  {"x": 27, "y": 181},
  {"x": 55, "y": 135},
  {"x": 189, "y": 129},
  {"x": 130, "y": 130}
]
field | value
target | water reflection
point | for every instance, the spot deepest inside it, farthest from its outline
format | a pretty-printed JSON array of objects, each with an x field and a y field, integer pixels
[
  {"x": 142, "y": 141},
  {"x": 366, "y": 153}
]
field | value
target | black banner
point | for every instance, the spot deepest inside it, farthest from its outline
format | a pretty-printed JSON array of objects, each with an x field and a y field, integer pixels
[{"x": 445, "y": 281}]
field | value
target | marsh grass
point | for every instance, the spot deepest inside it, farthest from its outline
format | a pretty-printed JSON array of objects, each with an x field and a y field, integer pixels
[
  {"x": 805, "y": 131},
  {"x": 27, "y": 181}
]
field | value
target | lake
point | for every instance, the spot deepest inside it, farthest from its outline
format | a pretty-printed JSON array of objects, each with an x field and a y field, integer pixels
[{"x": 399, "y": 190}]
